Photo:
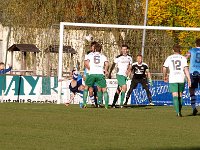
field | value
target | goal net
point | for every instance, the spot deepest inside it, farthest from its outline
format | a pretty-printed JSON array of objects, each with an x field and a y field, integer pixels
[{"x": 158, "y": 45}]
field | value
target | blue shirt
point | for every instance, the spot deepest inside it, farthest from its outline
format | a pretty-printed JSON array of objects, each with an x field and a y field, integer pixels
[
  {"x": 79, "y": 77},
  {"x": 194, "y": 59},
  {"x": 3, "y": 71},
  {"x": 85, "y": 72}
]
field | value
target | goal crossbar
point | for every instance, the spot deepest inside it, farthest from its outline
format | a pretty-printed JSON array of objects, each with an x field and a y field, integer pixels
[
  {"x": 128, "y": 26},
  {"x": 62, "y": 24}
]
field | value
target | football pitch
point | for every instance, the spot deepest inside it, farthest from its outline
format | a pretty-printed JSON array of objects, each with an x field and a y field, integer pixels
[{"x": 56, "y": 127}]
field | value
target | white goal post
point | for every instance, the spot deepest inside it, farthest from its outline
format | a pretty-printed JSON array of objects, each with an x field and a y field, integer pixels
[{"x": 63, "y": 24}]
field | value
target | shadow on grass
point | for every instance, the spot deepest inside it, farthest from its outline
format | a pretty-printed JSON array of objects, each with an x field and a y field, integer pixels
[
  {"x": 135, "y": 106},
  {"x": 124, "y": 107},
  {"x": 176, "y": 148},
  {"x": 191, "y": 115}
]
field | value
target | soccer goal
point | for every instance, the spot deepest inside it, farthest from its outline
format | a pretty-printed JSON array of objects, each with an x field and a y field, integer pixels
[{"x": 158, "y": 45}]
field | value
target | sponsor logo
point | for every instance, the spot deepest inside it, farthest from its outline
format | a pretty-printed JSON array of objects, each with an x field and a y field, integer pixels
[{"x": 28, "y": 85}]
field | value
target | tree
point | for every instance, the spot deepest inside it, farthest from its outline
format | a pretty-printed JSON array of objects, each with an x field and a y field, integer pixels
[
  {"x": 176, "y": 13},
  {"x": 32, "y": 18}
]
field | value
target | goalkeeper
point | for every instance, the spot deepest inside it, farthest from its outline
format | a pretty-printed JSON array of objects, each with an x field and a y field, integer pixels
[{"x": 141, "y": 75}]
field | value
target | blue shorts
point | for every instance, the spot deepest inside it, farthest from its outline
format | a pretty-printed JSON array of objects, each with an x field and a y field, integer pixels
[
  {"x": 195, "y": 80},
  {"x": 75, "y": 89}
]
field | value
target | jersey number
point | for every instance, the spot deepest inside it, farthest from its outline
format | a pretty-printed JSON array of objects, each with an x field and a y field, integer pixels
[
  {"x": 197, "y": 60},
  {"x": 96, "y": 59},
  {"x": 176, "y": 64}
]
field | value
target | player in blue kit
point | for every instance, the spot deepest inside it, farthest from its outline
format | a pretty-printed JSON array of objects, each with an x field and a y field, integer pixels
[
  {"x": 75, "y": 86},
  {"x": 194, "y": 55},
  {"x": 2, "y": 68}
]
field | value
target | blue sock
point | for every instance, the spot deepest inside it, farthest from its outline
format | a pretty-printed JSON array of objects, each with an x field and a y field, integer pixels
[{"x": 193, "y": 101}]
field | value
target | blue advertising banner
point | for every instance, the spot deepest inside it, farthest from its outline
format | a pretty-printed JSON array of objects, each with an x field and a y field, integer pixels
[{"x": 160, "y": 95}]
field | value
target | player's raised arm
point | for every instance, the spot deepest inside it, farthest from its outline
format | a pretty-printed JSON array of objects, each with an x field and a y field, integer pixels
[{"x": 2, "y": 68}]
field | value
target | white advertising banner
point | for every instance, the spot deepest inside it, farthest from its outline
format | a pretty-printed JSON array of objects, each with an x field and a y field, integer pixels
[{"x": 37, "y": 89}]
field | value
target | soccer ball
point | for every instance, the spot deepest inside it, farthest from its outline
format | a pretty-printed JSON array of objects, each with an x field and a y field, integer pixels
[{"x": 89, "y": 38}]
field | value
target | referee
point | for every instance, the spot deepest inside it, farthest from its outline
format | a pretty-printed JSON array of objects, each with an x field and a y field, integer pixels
[{"x": 141, "y": 75}]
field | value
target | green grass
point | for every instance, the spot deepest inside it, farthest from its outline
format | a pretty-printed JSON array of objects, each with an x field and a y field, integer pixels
[{"x": 56, "y": 127}]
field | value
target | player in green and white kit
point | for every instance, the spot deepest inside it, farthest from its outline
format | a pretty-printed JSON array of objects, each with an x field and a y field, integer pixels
[
  {"x": 96, "y": 63},
  {"x": 123, "y": 62},
  {"x": 178, "y": 68},
  {"x": 92, "y": 90}
]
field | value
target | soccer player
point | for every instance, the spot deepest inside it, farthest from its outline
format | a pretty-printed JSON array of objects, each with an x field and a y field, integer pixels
[
  {"x": 92, "y": 90},
  {"x": 123, "y": 62},
  {"x": 194, "y": 55},
  {"x": 178, "y": 69},
  {"x": 139, "y": 70},
  {"x": 2, "y": 68},
  {"x": 76, "y": 87},
  {"x": 96, "y": 63}
]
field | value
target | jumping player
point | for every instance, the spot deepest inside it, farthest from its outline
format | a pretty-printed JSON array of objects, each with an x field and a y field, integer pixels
[
  {"x": 92, "y": 90},
  {"x": 76, "y": 87},
  {"x": 96, "y": 63}
]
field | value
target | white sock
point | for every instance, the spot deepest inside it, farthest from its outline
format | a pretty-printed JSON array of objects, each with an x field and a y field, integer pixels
[{"x": 92, "y": 99}]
